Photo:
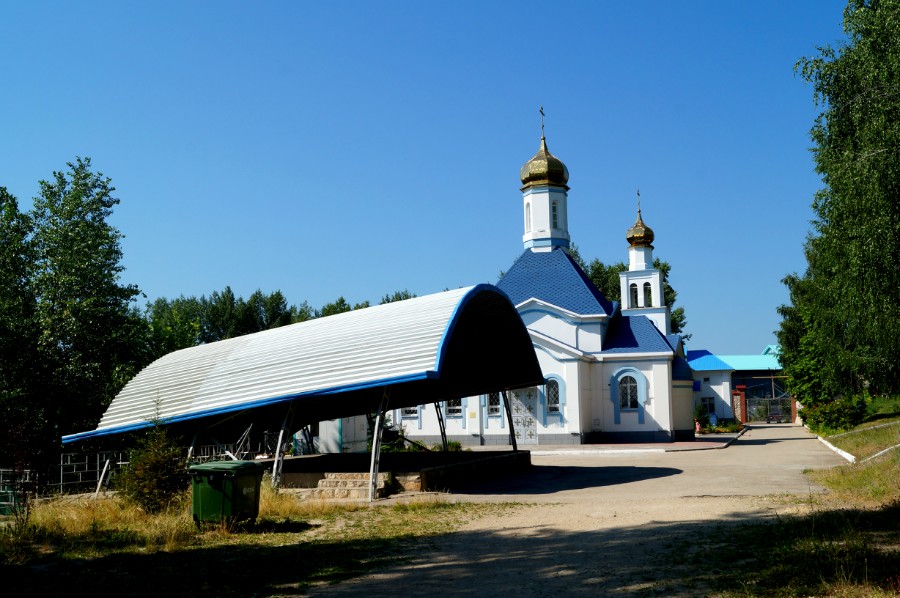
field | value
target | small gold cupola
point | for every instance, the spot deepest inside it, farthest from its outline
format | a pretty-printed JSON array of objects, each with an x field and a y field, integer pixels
[
  {"x": 544, "y": 169},
  {"x": 640, "y": 235}
]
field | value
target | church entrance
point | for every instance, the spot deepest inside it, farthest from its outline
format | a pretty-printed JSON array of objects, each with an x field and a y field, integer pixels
[{"x": 524, "y": 409}]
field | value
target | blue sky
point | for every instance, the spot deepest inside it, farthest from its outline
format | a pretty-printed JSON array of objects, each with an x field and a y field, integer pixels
[{"x": 355, "y": 149}]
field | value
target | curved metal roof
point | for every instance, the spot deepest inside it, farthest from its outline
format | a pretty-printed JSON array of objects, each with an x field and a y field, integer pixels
[{"x": 425, "y": 349}]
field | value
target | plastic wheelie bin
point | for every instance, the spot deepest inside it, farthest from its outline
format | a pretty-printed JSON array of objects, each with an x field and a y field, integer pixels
[{"x": 225, "y": 490}]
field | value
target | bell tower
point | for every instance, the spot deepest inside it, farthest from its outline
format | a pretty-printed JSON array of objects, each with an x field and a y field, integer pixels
[
  {"x": 641, "y": 285},
  {"x": 544, "y": 187}
]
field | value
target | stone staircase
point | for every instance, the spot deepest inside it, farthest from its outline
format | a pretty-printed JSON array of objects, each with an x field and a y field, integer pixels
[{"x": 353, "y": 486}]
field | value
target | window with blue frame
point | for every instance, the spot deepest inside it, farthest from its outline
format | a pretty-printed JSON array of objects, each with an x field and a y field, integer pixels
[
  {"x": 628, "y": 393},
  {"x": 552, "y": 390},
  {"x": 454, "y": 408},
  {"x": 493, "y": 405}
]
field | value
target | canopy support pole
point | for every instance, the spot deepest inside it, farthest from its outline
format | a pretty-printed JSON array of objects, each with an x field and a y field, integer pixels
[
  {"x": 376, "y": 443},
  {"x": 279, "y": 454},
  {"x": 441, "y": 425},
  {"x": 509, "y": 419}
]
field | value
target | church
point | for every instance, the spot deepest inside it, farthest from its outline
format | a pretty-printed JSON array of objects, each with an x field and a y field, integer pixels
[{"x": 612, "y": 372}]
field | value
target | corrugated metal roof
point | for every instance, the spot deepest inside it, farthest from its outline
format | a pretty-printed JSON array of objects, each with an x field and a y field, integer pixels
[
  {"x": 553, "y": 277},
  {"x": 634, "y": 334},
  {"x": 752, "y": 362},
  {"x": 379, "y": 346},
  {"x": 704, "y": 361}
]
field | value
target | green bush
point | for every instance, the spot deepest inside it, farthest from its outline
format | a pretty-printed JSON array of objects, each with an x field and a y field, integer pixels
[
  {"x": 836, "y": 415},
  {"x": 156, "y": 474},
  {"x": 701, "y": 415}
]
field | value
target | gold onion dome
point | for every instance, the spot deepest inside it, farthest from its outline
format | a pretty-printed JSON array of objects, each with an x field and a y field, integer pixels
[
  {"x": 640, "y": 235},
  {"x": 544, "y": 169}
]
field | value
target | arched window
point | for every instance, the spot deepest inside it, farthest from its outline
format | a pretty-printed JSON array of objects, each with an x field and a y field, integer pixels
[
  {"x": 648, "y": 295},
  {"x": 552, "y": 397},
  {"x": 628, "y": 393},
  {"x": 527, "y": 217},
  {"x": 633, "y": 293},
  {"x": 554, "y": 215}
]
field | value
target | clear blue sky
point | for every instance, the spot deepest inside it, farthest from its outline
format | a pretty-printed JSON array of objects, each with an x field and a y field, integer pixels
[{"x": 355, "y": 149}]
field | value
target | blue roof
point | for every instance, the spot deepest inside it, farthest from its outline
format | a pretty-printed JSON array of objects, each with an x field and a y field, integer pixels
[
  {"x": 554, "y": 278},
  {"x": 673, "y": 340},
  {"x": 752, "y": 362},
  {"x": 681, "y": 370},
  {"x": 634, "y": 334},
  {"x": 703, "y": 360}
]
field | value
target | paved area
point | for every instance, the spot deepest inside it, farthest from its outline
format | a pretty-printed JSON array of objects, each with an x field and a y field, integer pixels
[{"x": 610, "y": 522}]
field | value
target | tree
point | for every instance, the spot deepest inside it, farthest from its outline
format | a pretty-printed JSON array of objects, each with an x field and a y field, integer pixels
[
  {"x": 840, "y": 335},
  {"x": 173, "y": 325},
  {"x": 89, "y": 337},
  {"x": 339, "y": 306},
  {"x": 22, "y": 406},
  {"x": 397, "y": 296}
]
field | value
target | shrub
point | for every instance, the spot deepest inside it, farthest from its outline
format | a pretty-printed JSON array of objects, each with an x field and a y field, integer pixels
[
  {"x": 841, "y": 413},
  {"x": 155, "y": 474}
]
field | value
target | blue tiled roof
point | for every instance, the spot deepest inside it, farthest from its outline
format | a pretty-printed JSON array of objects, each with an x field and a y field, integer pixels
[
  {"x": 681, "y": 370},
  {"x": 703, "y": 360},
  {"x": 673, "y": 339},
  {"x": 634, "y": 334},
  {"x": 554, "y": 278}
]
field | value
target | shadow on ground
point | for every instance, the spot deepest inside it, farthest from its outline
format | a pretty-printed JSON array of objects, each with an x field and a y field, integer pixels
[
  {"x": 736, "y": 553},
  {"x": 549, "y": 479}
]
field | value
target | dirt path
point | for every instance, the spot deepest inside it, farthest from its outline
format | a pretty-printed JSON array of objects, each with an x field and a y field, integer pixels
[{"x": 606, "y": 524}]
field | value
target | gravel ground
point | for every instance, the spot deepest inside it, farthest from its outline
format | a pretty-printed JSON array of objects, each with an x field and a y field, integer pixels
[{"x": 609, "y": 523}]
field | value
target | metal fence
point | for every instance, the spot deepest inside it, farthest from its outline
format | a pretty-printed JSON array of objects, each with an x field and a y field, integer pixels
[{"x": 769, "y": 409}]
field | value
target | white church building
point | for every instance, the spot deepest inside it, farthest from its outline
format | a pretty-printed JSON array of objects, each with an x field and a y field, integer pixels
[{"x": 611, "y": 372}]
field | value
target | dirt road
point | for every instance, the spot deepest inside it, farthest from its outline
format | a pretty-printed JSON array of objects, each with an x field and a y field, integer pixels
[{"x": 608, "y": 524}]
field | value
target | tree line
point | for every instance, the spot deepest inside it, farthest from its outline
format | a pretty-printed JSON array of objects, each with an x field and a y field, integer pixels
[
  {"x": 840, "y": 331},
  {"x": 71, "y": 332}
]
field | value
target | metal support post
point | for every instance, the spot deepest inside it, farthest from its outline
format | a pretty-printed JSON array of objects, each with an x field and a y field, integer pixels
[
  {"x": 376, "y": 443},
  {"x": 509, "y": 418},
  {"x": 441, "y": 425},
  {"x": 279, "y": 454}
]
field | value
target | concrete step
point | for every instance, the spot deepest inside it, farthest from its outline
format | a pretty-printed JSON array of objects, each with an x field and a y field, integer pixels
[
  {"x": 382, "y": 477},
  {"x": 329, "y": 483},
  {"x": 340, "y": 493}
]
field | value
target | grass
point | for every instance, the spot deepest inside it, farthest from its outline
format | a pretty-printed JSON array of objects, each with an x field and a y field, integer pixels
[
  {"x": 848, "y": 545},
  {"x": 105, "y": 545},
  {"x": 869, "y": 438}
]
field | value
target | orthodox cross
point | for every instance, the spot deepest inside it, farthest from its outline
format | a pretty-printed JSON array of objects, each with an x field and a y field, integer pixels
[{"x": 542, "y": 121}]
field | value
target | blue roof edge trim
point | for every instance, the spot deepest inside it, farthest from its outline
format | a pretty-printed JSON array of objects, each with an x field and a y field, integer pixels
[
  {"x": 69, "y": 438},
  {"x": 457, "y": 313}
]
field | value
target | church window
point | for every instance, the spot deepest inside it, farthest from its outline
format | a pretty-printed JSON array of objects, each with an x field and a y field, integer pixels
[
  {"x": 554, "y": 215},
  {"x": 454, "y": 408},
  {"x": 527, "y": 217},
  {"x": 552, "y": 390},
  {"x": 493, "y": 404},
  {"x": 628, "y": 393},
  {"x": 409, "y": 412},
  {"x": 648, "y": 295},
  {"x": 633, "y": 295},
  {"x": 709, "y": 404}
]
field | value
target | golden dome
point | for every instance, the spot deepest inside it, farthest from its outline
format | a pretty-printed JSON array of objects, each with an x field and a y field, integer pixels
[
  {"x": 640, "y": 235},
  {"x": 544, "y": 169}
]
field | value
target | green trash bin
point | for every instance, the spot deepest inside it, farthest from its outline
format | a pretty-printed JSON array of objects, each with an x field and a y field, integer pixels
[{"x": 225, "y": 490}]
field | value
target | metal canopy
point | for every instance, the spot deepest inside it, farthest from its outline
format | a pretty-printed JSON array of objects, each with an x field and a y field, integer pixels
[{"x": 466, "y": 342}]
